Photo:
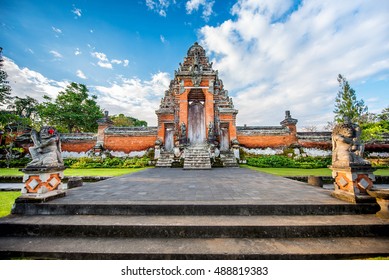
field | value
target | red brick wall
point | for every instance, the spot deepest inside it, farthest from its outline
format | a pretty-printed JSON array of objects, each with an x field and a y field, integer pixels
[
  {"x": 78, "y": 146},
  {"x": 128, "y": 143},
  {"x": 265, "y": 141}
]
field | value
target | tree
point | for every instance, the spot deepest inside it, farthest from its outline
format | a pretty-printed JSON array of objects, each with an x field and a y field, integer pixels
[
  {"x": 5, "y": 89},
  {"x": 24, "y": 107},
  {"x": 374, "y": 126},
  {"x": 122, "y": 121},
  {"x": 346, "y": 103},
  {"x": 72, "y": 110}
]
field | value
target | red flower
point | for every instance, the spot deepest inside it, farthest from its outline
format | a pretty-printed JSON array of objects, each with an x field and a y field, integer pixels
[{"x": 51, "y": 131}]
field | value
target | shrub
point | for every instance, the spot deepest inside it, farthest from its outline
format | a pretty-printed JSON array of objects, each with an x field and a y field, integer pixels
[
  {"x": 114, "y": 162},
  {"x": 15, "y": 163},
  {"x": 279, "y": 161}
]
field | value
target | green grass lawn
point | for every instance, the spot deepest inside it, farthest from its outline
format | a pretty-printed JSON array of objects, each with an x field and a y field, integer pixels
[
  {"x": 305, "y": 172},
  {"x": 79, "y": 172},
  {"x": 7, "y": 199}
]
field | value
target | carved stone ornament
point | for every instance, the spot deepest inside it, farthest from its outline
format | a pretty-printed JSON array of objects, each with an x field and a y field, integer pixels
[
  {"x": 46, "y": 151},
  {"x": 347, "y": 146}
]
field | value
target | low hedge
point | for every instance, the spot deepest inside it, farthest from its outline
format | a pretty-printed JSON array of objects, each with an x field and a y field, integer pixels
[
  {"x": 115, "y": 162},
  {"x": 88, "y": 162},
  {"x": 278, "y": 161}
]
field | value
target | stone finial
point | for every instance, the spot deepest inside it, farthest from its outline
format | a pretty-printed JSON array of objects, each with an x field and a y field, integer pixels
[
  {"x": 288, "y": 119},
  {"x": 105, "y": 120}
]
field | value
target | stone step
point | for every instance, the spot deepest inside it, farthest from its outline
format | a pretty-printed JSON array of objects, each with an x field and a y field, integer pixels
[
  {"x": 192, "y": 248},
  {"x": 165, "y": 160},
  {"x": 193, "y": 208},
  {"x": 195, "y": 226}
]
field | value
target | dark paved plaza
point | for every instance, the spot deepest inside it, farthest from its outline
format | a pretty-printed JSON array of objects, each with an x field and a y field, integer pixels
[{"x": 232, "y": 185}]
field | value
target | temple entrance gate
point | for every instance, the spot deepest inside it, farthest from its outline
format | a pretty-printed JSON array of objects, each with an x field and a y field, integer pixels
[{"x": 196, "y": 117}]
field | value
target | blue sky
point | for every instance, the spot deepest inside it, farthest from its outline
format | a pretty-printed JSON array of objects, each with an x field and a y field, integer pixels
[{"x": 273, "y": 55}]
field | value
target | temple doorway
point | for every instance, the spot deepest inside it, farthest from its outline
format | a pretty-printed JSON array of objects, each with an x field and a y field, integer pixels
[
  {"x": 224, "y": 138},
  {"x": 169, "y": 137},
  {"x": 196, "y": 117}
]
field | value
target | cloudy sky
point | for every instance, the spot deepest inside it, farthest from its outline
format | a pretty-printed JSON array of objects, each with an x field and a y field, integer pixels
[{"x": 273, "y": 55}]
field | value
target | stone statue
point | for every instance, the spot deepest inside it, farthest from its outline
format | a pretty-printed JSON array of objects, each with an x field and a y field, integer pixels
[
  {"x": 46, "y": 151},
  {"x": 347, "y": 148},
  {"x": 183, "y": 130},
  {"x": 210, "y": 130}
]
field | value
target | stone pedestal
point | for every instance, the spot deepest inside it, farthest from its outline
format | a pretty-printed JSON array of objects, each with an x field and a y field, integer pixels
[
  {"x": 382, "y": 197},
  {"x": 42, "y": 183},
  {"x": 351, "y": 183}
]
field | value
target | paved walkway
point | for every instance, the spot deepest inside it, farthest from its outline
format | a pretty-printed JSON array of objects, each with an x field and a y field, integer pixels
[{"x": 227, "y": 185}]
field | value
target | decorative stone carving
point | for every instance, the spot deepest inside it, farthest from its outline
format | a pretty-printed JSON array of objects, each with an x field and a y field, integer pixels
[
  {"x": 43, "y": 175},
  {"x": 157, "y": 149},
  {"x": 211, "y": 130},
  {"x": 353, "y": 176},
  {"x": 46, "y": 151},
  {"x": 346, "y": 145},
  {"x": 235, "y": 148}
]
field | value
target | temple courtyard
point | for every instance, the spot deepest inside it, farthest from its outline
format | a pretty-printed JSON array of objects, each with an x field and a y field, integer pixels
[{"x": 170, "y": 213}]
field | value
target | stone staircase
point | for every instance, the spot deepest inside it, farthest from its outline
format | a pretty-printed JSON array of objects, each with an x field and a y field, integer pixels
[
  {"x": 197, "y": 157},
  {"x": 228, "y": 159},
  {"x": 183, "y": 231},
  {"x": 165, "y": 159}
]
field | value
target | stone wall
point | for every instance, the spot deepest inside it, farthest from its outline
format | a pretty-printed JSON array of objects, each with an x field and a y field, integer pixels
[
  {"x": 129, "y": 139},
  {"x": 78, "y": 142},
  {"x": 265, "y": 137}
]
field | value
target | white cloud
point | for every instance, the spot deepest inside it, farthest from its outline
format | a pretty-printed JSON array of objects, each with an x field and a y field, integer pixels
[
  {"x": 275, "y": 57},
  {"x": 103, "y": 64},
  {"x": 77, "y": 12},
  {"x": 100, "y": 56},
  {"x": 77, "y": 51},
  {"x": 103, "y": 60},
  {"x": 56, "y": 30},
  {"x": 162, "y": 38},
  {"x": 24, "y": 81},
  {"x": 134, "y": 96},
  {"x": 194, "y": 5},
  {"x": 116, "y": 61},
  {"x": 159, "y": 6},
  {"x": 56, "y": 54},
  {"x": 81, "y": 74},
  {"x": 130, "y": 96}
]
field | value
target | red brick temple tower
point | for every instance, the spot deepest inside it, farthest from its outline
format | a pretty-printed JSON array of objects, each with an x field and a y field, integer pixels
[{"x": 196, "y": 110}]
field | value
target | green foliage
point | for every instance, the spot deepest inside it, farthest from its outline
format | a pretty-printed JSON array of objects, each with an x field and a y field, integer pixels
[
  {"x": 14, "y": 163},
  {"x": 346, "y": 104},
  {"x": 73, "y": 110},
  {"x": 115, "y": 162},
  {"x": 123, "y": 121},
  {"x": 278, "y": 161},
  {"x": 374, "y": 126},
  {"x": 5, "y": 89},
  {"x": 7, "y": 199}
]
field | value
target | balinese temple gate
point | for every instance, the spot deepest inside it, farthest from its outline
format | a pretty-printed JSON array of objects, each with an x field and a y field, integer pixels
[{"x": 196, "y": 118}]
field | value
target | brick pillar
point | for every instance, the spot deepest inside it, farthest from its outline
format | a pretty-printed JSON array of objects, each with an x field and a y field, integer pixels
[
  {"x": 290, "y": 123},
  {"x": 103, "y": 124}
]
